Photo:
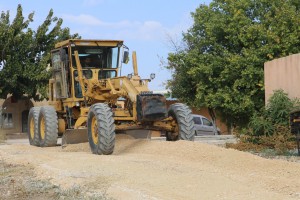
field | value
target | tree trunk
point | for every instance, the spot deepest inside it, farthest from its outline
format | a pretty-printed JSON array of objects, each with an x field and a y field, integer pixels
[
  {"x": 213, "y": 117},
  {"x": 229, "y": 128}
]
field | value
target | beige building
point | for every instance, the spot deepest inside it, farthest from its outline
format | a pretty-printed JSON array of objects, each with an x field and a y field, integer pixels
[
  {"x": 14, "y": 114},
  {"x": 283, "y": 73}
]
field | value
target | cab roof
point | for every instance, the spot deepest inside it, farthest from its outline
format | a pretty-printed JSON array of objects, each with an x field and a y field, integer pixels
[{"x": 84, "y": 42}]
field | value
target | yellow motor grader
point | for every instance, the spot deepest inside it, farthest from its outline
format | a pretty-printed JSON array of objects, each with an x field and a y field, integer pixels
[{"x": 90, "y": 101}]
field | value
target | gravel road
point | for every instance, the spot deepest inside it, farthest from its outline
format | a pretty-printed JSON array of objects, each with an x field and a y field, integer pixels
[{"x": 154, "y": 169}]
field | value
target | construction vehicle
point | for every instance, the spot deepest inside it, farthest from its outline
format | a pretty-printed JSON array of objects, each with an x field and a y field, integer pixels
[{"x": 90, "y": 101}]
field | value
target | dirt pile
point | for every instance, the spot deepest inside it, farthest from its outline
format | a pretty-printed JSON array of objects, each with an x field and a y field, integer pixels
[
  {"x": 147, "y": 169},
  {"x": 123, "y": 142}
]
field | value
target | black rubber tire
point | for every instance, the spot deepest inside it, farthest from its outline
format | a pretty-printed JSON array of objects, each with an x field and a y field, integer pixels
[
  {"x": 49, "y": 123},
  {"x": 183, "y": 117},
  {"x": 105, "y": 129},
  {"x": 32, "y": 130}
]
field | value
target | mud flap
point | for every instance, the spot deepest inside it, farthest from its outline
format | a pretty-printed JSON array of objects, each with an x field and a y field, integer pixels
[{"x": 74, "y": 136}]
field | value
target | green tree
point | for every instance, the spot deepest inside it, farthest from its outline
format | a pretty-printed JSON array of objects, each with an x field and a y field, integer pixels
[
  {"x": 221, "y": 65},
  {"x": 25, "y": 53}
]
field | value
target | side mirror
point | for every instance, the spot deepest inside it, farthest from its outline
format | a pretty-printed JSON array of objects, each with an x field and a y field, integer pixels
[{"x": 125, "y": 56}]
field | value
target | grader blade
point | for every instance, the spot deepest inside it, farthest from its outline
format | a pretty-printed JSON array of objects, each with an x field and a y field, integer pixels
[{"x": 74, "y": 136}]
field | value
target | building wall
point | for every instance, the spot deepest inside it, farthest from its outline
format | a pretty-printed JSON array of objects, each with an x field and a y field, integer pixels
[
  {"x": 14, "y": 114},
  {"x": 283, "y": 73}
]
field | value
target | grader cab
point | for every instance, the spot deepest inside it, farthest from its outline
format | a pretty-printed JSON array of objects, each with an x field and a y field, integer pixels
[{"x": 90, "y": 101}]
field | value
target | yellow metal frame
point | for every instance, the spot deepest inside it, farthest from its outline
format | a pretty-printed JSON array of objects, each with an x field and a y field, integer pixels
[
  {"x": 82, "y": 117},
  {"x": 94, "y": 130},
  {"x": 82, "y": 42}
]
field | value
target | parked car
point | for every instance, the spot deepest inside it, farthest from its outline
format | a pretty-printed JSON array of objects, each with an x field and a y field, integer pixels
[{"x": 204, "y": 126}]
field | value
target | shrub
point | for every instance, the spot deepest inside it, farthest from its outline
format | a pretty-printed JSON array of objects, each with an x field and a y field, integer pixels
[
  {"x": 269, "y": 129},
  {"x": 281, "y": 141},
  {"x": 279, "y": 107},
  {"x": 260, "y": 124}
]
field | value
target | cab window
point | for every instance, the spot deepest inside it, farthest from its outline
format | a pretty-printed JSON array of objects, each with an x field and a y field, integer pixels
[
  {"x": 112, "y": 58},
  {"x": 103, "y": 74},
  {"x": 96, "y": 56}
]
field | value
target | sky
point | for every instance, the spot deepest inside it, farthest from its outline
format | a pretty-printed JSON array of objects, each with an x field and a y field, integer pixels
[{"x": 145, "y": 26}]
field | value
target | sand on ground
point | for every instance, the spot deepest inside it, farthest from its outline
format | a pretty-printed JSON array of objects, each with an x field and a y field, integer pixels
[{"x": 149, "y": 169}]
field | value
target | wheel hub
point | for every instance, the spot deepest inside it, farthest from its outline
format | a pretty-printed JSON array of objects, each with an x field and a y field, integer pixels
[
  {"x": 31, "y": 129},
  {"x": 94, "y": 130},
  {"x": 43, "y": 127}
]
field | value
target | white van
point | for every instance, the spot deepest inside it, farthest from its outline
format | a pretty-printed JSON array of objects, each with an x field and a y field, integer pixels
[{"x": 204, "y": 126}]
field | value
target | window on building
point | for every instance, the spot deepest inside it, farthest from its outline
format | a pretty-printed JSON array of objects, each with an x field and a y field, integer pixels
[{"x": 7, "y": 120}]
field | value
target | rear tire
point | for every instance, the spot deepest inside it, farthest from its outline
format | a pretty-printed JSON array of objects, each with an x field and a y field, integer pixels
[
  {"x": 48, "y": 127},
  {"x": 101, "y": 129},
  {"x": 33, "y": 131},
  {"x": 182, "y": 114}
]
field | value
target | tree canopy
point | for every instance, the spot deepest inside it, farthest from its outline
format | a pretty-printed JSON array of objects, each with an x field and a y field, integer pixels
[
  {"x": 221, "y": 65},
  {"x": 25, "y": 53}
]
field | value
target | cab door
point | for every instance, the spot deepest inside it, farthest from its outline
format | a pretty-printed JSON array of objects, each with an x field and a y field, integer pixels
[{"x": 60, "y": 74}]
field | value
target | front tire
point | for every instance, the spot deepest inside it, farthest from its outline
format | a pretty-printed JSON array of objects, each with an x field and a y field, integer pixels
[
  {"x": 101, "y": 129},
  {"x": 33, "y": 131},
  {"x": 184, "y": 129},
  {"x": 48, "y": 127}
]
